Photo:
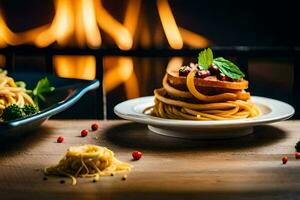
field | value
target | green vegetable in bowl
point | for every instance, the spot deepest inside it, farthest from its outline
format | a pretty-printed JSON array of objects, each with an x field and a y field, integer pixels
[
  {"x": 3, "y": 71},
  {"x": 43, "y": 87},
  {"x": 21, "y": 84},
  {"x": 30, "y": 109},
  {"x": 12, "y": 112}
]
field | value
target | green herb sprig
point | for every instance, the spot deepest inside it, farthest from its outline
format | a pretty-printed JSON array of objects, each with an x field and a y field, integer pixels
[
  {"x": 228, "y": 68},
  {"x": 43, "y": 87},
  {"x": 205, "y": 60}
]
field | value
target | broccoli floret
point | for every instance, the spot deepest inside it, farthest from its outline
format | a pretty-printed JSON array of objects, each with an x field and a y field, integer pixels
[
  {"x": 30, "y": 109},
  {"x": 12, "y": 112}
]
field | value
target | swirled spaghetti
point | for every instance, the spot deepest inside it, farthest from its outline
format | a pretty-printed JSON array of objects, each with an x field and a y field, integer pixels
[
  {"x": 192, "y": 104},
  {"x": 87, "y": 161}
]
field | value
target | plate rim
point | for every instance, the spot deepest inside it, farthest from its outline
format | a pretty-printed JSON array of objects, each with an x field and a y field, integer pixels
[{"x": 156, "y": 121}]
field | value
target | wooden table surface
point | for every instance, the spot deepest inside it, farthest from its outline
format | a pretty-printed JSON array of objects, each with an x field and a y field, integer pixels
[{"x": 245, "y": 168}]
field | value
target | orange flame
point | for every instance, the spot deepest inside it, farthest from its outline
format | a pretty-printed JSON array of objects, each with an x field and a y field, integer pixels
[
  {"x": 2, "y": 60},
  {"x": 6, "y": 36},
  {"x": 92, "y": 32},
  {"x": 169, "y": 24},
  {"x": 81, "y": 67},
  {"x": 192, "y": 39},
  {"x": 132, "y": 16},
  {"x": 174, "y": 63},
  {"x": 118, "y": 70},
  {"x": 79, "y": 20},
  {"x": 11, "y": 38},
  {"x": 61, "y": 27},
  {"x": 66, "y": 22},
  {"x": 111, "y": 26},
  {"x": 132, "y": 87},
  {"x": 121, "y": 72}
]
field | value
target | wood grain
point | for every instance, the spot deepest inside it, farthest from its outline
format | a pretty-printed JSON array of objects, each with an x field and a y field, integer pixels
[{"x": 244, "y": 168}]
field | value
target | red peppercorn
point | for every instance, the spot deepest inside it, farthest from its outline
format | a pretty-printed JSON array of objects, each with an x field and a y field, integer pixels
[
  {"x": 284, "y": 160},
  {"x": 136, "y": 155},
  {"x": 60, "y": 139},
  {"x": 84, "y": 133},
  {"x": 95, "y": 126},
  {"x": 297, "y": 155}
]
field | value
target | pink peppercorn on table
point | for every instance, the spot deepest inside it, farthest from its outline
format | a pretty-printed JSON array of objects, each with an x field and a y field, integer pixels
[{"x": 249, "y": 167}]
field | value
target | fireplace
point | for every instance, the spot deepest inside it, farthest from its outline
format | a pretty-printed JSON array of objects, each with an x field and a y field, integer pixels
[{"x": 128, "y": 44}]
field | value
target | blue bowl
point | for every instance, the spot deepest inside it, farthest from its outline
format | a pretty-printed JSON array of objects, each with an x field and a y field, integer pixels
[{"x": 67, "y": 92}]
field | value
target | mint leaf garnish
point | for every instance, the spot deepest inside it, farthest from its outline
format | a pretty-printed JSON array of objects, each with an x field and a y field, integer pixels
[
  {"x": 205, "y": 58},
  {"x": 228, "y": 68}
]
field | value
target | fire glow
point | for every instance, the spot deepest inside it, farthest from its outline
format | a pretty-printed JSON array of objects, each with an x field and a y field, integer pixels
[{"x": 80, "y": 23}]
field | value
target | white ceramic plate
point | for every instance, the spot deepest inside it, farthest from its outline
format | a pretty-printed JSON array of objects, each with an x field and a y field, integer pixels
[{"x": 273, "y": 111}]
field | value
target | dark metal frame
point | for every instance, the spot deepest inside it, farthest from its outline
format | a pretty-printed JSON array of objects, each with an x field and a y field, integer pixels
[{"x": 242, "y": 54}]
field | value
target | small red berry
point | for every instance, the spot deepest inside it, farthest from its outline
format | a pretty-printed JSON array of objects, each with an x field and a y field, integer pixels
[
  {"x": 95, "y": 126},
  {"x": 284, "y": 160},
  {"x": 136, "y": 155},
  {"x": 297, "y": 155},
  {"x": 84, "y": 133},
  {"x": 60, "y": 139}
]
